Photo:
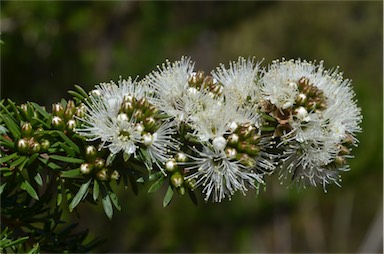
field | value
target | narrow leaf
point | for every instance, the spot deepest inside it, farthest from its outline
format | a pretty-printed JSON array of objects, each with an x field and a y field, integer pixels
[
  {"x": 79, "y": 195},
  {"x": 107, "y": 205},
  {"x": 12, "y": 127},
  {"x": 96, "y": 190},
  {"x": 66, "y": 159},
  {"x": 81, "y": 91},
  {"x": 68, "y": 141},
  {"x": 71, "y": 173},
  {"x": 40, "y": 110},
  {"x": 2, "y": 187},
  {"x": 114, "y": 200},
  {"x": 156, "y": 185},
  {"x": 25, "y": 185},
  {"x": 7, "y": 158},
  {"x": 17, "y": 162},
  {"x": 168, "y": 196},
  {"x": 38, "y": 179}
]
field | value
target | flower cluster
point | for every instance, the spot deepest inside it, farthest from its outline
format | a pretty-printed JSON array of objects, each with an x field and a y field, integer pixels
[{"x": 224, "y": 132}]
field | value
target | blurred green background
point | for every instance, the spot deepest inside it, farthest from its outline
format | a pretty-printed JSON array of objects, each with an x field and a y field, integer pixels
[{"x": 50, "y": 46}]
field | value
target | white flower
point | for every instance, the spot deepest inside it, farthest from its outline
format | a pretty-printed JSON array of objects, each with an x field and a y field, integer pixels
[
  {"x": 121, "y": 117},
  {"x": 320, "y": 109},
  {"x": 170, "y": 85},
  {"x": 239, "y": 81},
  {"x": 220, "y": 176}
]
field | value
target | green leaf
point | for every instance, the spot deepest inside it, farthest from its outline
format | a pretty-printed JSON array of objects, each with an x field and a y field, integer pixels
[
  {"x": 81, "y": 91},
  {"x": 192, "y": 195},
  {"x": 38, "y": 179},
  {"x": 168, "y": 196},
  {"x": 268, "y": 117},
  {"x": 25, "y": 185},
  {"x": 80, "y": 195},
  {"x": 35, "y": 249},
  {"x": 32, "y": 158},
  {"x": 16, "y": 242},
  {"x": 7, "y": 158},
  {"x": 2, "y": 187},
  {"x": 68, "y": 141},
  {"x": 156, "y": 185},
  {"x": 110, "y": 159},
  {"x": 267, "y": 128},
  {"x": 17, "y": 162},
  {"x": 14, "y": 109},
  {"x": 66, "y": 159},
  {"x": 39, "y": 109},
  {"x": 114, "y": 200},
  {"x": 107, "y": 205},
  {"x": 12, "y": 127},
  {"x": 70, "y": 173},
  {"x": 96, "y": 190}
]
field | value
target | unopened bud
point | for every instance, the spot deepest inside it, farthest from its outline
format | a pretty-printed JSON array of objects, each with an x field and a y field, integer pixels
[
  {"x": 26, "y": 130},
  {"x": 219, "y": 143},
  {"x": 149, "y": 123},
  {"x": 230, "y": 152},
  {"x": 102, "y": 175},
  {"x": 148, "y": 139},
  {"x": 80, "y": 110},
  {"x": 171, "y": 165},
  {"x": 45, "y": 144},
  {"x": 99, "y": 163},
  {"x": 34, "y": 147},
  {"x": 115, "y": 175},
  {"x": 181, "y": 157},
  {"x": 23, "y": 145},
  {"x": 233, "y": 139},
  {"x": 90, "y": 153},
  {"x": 86, "y": 168},
  {"x": 177, "y": 179},
  {"x": 57, "y": 110},
  {"x": 246, "y": 160},
  {"x": 71, "y": 125},
  {"x": 69, "y": 110},
  {"x": 57, "y": 122}
]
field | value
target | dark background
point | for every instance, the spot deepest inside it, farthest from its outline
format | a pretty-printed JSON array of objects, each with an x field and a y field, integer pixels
[{"x": 50, "y": 46}]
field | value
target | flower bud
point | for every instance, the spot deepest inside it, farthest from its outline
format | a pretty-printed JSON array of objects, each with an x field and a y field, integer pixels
[
  {"x": 127, "y": 107},
  {"x": 69, "y": 110},
  {"x": 102, "y": 175},
  {"x": 246, "y": 160},
  {"x": 181, "y": 157},
  {"x": 57, "y": 110},
  {"x": 71, "y": 125},
  {"x": 80, "y": 111},
  {"x": 90, "y": 153},
  {"x": 254, "y": 139},
  {"x": 45, "y": 144},
  {"x": 149, "y": 122},
  {"x": 57, "y": 122},
  {"x": 219, "y": 143},
  {"x": 34, "y": 147},
  {"x": 115, "y": 175},
  {"x": 340, "y": 161},
  {"x": 138, "y": 114},
  {"x": 191, "y": 183},
  {"x": 26, "y": 130},
  {"x": 23, "y": 145},
  {"x": 181, "y": 190},
  {"x": 171, "y": 165},
  {"x": 344, "y": 150},
  {"x": 99, "y": 163},
  {"x": 233, "y": 139},
  {"x": 301, "y": 99},
  {"x": 148, "y": 139},
  {"x": 95, "y": 93},
  {"x": 230, "y": 152},
  {"x": 252, "y": 150},
  {"x": 177, "y": 179},
  {"x": 86, "y": 168}
]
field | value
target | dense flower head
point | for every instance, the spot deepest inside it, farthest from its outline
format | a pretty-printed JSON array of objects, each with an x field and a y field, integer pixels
[
  {"x": 224, "y": 131},
  {"x": 122, "y": 118},
  {"x": 316, "y": 118}
]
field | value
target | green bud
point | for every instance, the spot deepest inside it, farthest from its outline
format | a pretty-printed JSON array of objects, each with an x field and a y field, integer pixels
[
  {"x": 230, "y": 152},
  {"x": 246, "y": 160},
  {"x": 80, "y": 110},
  {"x": 181, "y": 190},
  {"x": 138, "y": 114},
  {"x": 69, "y": 110},
  {"x": 26, "y": 130},
  {"x": 233, "y": 139},
  {"x": 254, "y": 139},
  {"x": 242, "y": 146},
  {"x": 57, "y": 122},
  {"x": 252, "y": 150},
  {"x": 340, "y": 161},
  {"x": 90, "y": 153},
  {"x": 143, "y": 103},
  {"x": 149, "y": 122},
  {"x": 45, "y": 144},
  {"x": 127, "y": 107},
  {"x": 34, "y": 147},
  {"x": 177, "y": 179},
  {"x": 115, "y": 175},
  {"x": 181, "y": 157},
  {"x": 99, "y": 163},
  {"x": 344, "y": 150},
  {"x": 171, "y": 165},
  {"x": 102, "y": 175},
  {"x": 23, "y": 145},
  {"x": 191, "y": 183},
  {"x": 57, "y": 110},
  {"x": 86, "y": 168},
  {"x": 71, "y": 125}
]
